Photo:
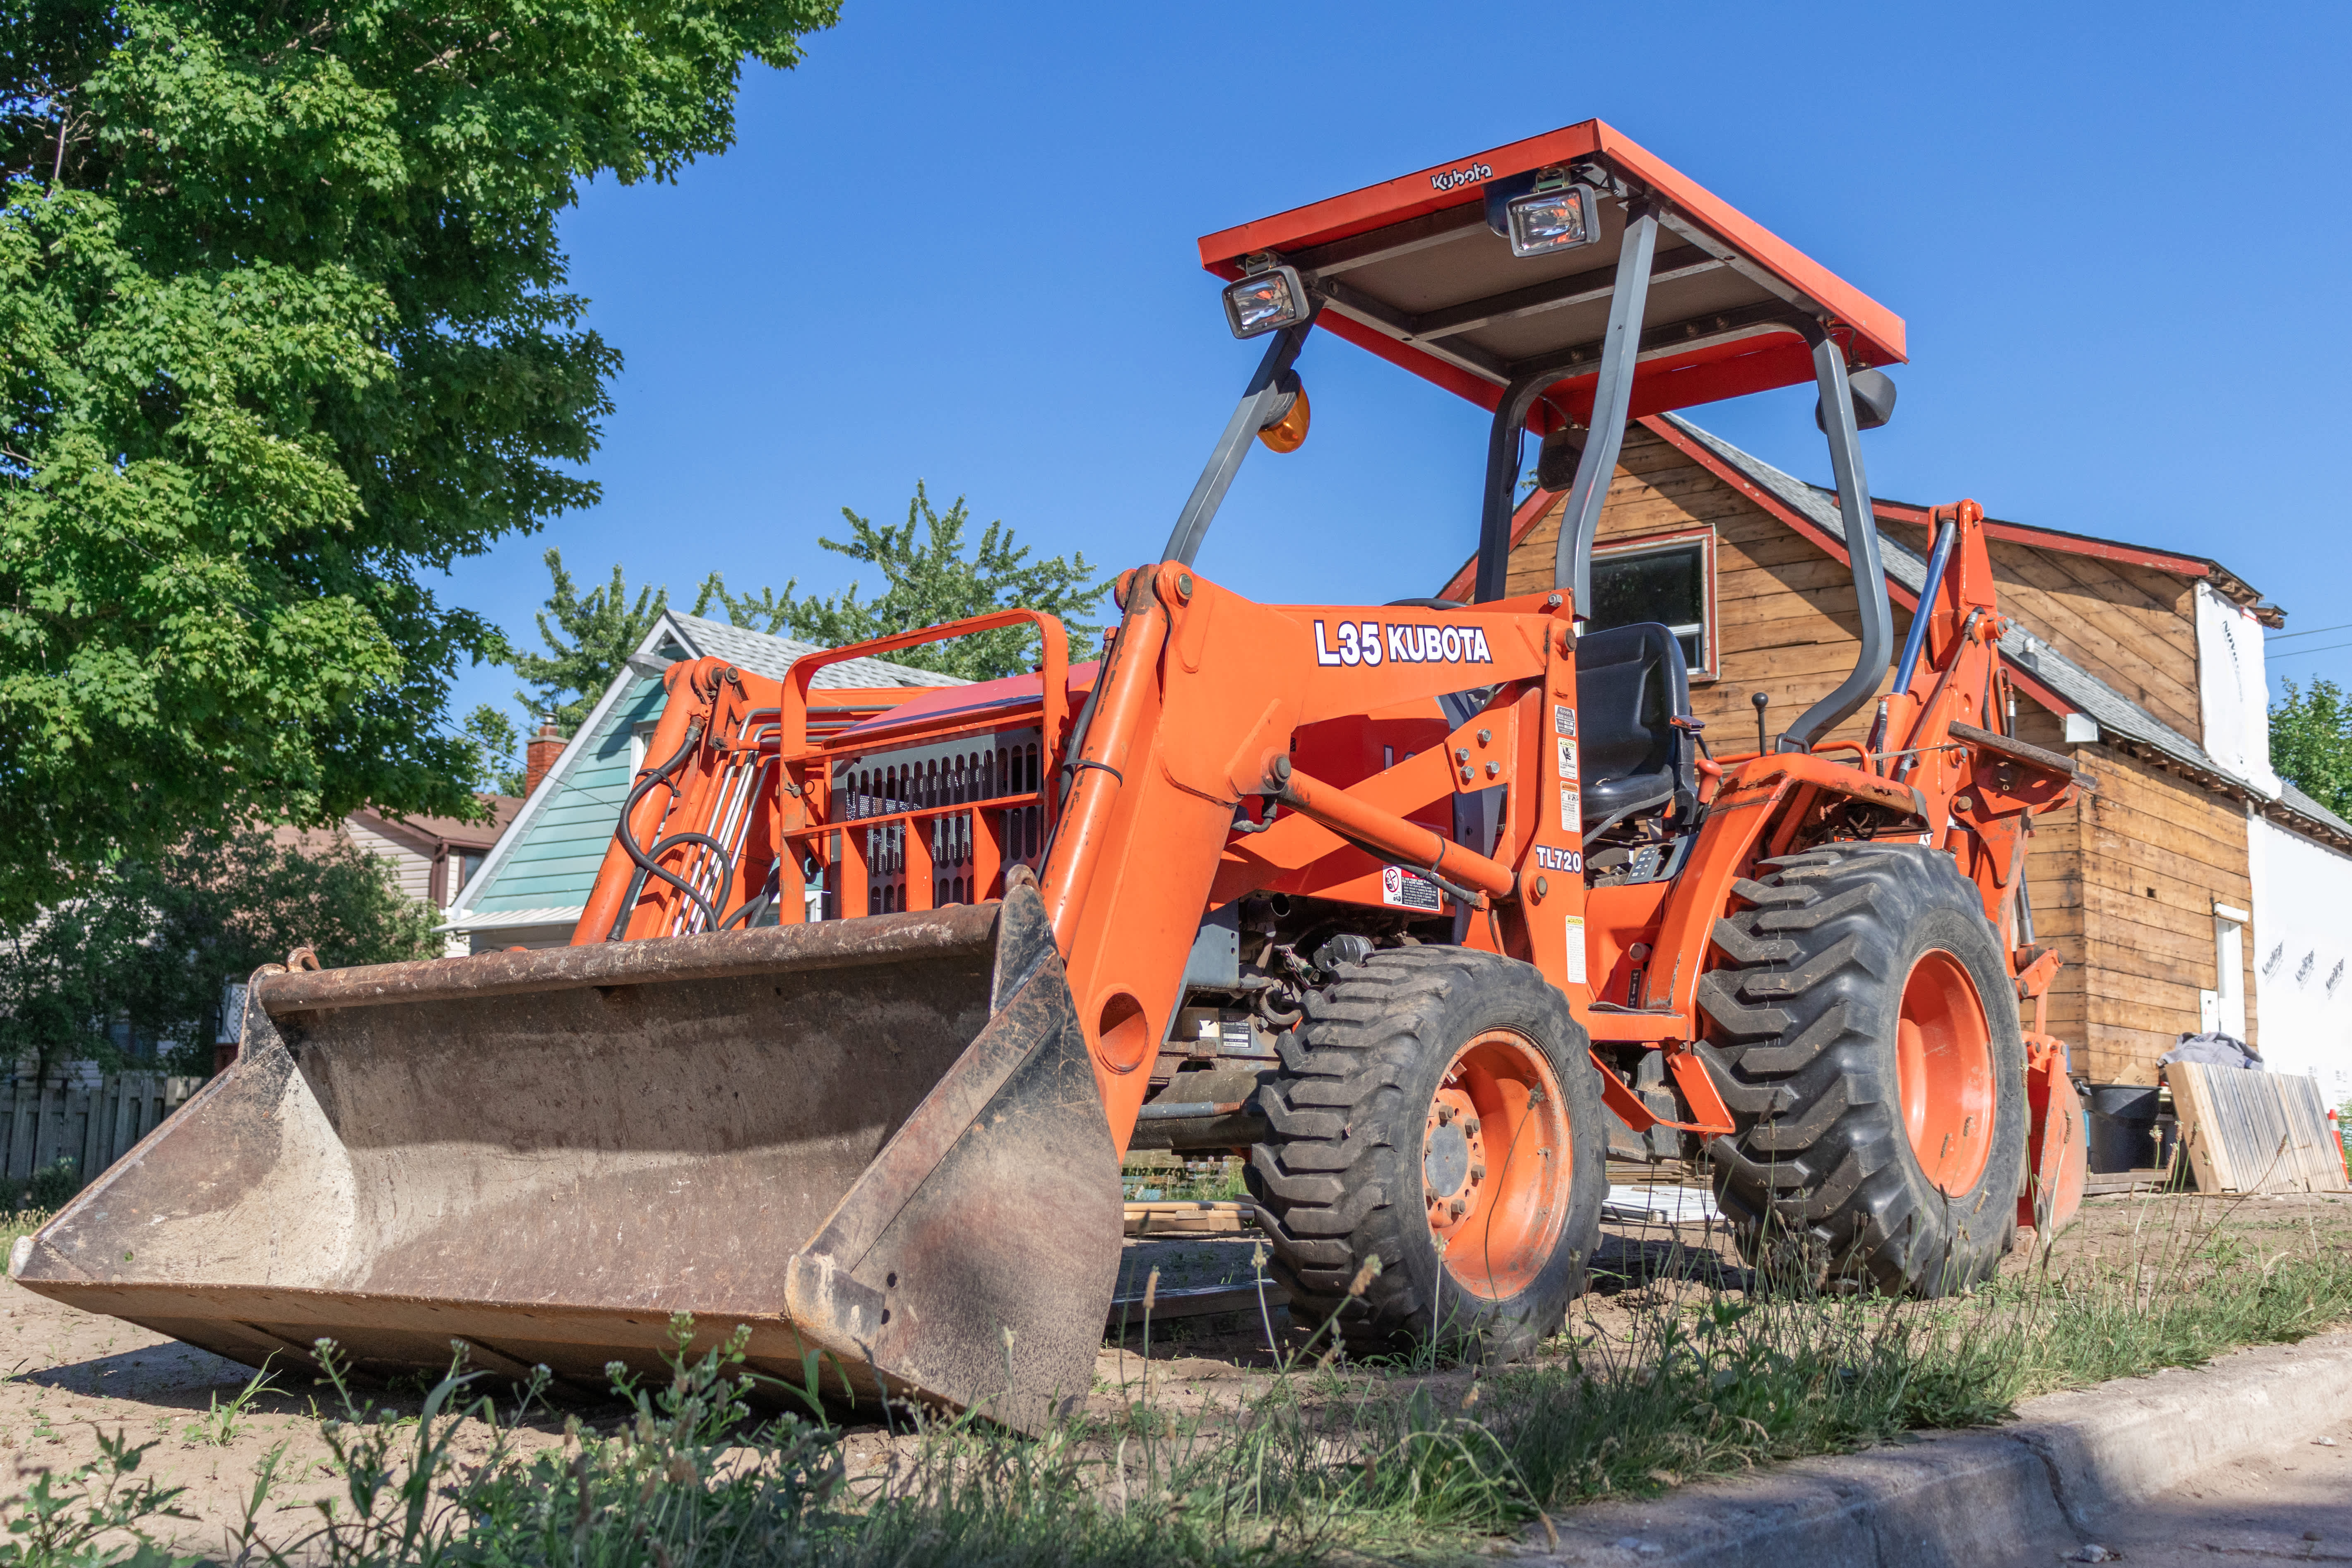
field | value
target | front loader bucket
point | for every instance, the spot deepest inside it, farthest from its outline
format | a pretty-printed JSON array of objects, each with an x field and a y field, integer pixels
[{"x": 878, "y": 1138}]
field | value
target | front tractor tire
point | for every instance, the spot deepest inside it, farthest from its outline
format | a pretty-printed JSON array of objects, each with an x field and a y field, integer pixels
[
  {"x": 1438, "y": 1110},
  {"x": 1867, "y": 1040}
]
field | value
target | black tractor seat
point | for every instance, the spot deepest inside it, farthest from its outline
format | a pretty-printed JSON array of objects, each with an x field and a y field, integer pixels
[{"x": 1630, "y": 682}]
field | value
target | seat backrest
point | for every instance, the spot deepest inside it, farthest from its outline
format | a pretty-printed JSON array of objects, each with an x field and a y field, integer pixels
[{"x": 1631, "y": 681}]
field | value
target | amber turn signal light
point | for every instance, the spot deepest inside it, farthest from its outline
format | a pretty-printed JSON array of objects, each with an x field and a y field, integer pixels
[{"x": 1286, "y": 431}]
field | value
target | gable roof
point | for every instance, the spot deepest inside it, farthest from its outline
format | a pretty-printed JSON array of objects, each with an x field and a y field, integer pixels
[
  {"x": 2066, "y": 687},
  {"x": 426, "y": 834},
  {"x": 540, "y": 869},
  {"x": 2048, "y": 675}
]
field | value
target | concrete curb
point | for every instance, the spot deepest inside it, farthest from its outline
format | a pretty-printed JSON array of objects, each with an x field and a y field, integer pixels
[{"x": 1969, "y": 1496}]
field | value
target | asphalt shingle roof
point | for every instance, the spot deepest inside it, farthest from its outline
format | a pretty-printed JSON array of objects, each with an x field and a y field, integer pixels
[
  {"x": 2304, "y": 806},
  {"x": 773, "y": 656}
]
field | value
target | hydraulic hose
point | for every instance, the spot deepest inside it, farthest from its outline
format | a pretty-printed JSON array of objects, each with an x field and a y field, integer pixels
[{"x": 644, "y": 859}]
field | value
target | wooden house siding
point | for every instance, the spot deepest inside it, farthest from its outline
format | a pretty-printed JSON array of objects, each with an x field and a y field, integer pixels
[
  {"x": 1785, "y": 616},
  {"x": 2159, "y": 850},
  {"x": 2132, "y": 626},
  {"x": 1786, "y": 624}
]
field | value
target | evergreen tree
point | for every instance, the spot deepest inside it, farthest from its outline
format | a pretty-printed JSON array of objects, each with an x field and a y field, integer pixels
[
  {"x": 589, "y": 642},
  {"x": 930, "y": 575}
]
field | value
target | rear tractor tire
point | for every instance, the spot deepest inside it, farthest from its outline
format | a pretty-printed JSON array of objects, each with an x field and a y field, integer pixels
[
  {"x": 1438, "y": 1110},
  {"x": 1867, "y": 1030}
]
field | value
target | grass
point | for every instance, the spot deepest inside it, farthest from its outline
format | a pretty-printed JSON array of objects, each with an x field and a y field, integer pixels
[
  {"x": 15, "y": 1223},
  {"x": 224, "y": 1422},
  {"x": 1325, "y": 1458}
]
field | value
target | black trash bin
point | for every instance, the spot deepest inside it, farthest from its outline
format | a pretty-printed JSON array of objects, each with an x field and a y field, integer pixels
[{"x": 2122, "y": 1127}]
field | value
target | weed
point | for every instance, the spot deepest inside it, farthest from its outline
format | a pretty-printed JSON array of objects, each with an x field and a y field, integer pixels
[
  {"x": 223, "y": 1424},
  {"x": 1325, "y": 1458},
  {"x": 83, "y": 1520},
  {"x": 21, "y": 1222}
]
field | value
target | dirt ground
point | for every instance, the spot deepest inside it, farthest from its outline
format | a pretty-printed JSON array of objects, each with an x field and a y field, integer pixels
[{"x": 69, "y": 1375}]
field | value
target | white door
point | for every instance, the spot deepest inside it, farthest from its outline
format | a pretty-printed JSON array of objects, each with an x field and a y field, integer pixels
[{"x": 2230, "y": 971}]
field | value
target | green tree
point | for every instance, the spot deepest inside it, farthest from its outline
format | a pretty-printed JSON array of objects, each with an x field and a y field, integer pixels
[
  {"x": 286, "y": 329},
  {"x": 500, "y": 748},
  {"x": 149, "y": 943},
  {"x": 2311, "y": 743},
  {"x": 931, "y": 576},
  {"x": 590, "y": 640}
]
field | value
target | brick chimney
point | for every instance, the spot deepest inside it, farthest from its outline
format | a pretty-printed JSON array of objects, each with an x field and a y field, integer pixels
[{"x": 539, "y": 754}]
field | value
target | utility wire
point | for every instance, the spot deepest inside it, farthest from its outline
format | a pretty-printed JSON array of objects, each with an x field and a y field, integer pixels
[
  {"x": 2331, "y": 647},
  {"x": 2288, "y": 636}
]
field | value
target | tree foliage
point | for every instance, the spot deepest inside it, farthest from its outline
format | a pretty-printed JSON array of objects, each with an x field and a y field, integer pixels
[
  {"x": 591, "y": 638},
  {"x": 2311, "y": 743},
  {"x": 929, "y": 576},
  {"x": 151, "y": 943},
  {"x": 286, "y": 329}
]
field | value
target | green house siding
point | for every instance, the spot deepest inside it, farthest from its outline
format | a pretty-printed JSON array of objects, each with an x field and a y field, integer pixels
[
  {"x": 543, "y": 867},
  {"x": 554, "y": 863}
]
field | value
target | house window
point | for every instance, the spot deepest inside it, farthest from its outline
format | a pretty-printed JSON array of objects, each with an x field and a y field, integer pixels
[
  {"x": 641, "y": 735},
  {"x": 1667, "y": 578},
  {"x": 464, "y": 864}
]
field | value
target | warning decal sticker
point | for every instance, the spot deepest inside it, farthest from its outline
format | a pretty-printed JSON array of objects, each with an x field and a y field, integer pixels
[
  {"x": 1571, "y": 809},
  {"x": 1408, "y": 889},
  {"x": 1567, "y": 761},
  {"x": 1576, "y": 950},
  {"x": 1563, "y": 719}
]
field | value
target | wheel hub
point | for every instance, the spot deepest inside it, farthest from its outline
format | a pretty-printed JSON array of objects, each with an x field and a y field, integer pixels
[
  {"x": 1495, "y": 1165},
  {"x": 1446, "y": 1167},
  {"x": 1943, "y": 1061}
]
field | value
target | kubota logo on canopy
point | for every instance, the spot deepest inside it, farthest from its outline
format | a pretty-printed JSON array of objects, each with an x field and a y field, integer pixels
[{"x": 1371, "y": 642}]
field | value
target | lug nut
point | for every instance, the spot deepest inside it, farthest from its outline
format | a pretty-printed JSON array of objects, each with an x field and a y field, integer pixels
[
  {"x": 1458, "y": 1208},
  {"x": 1470, "y": 1127},
  {"x": 1444, "y": 1115},
  {"x": 1477, "y": 1172},
  {"x": 1484, "y": 736}
]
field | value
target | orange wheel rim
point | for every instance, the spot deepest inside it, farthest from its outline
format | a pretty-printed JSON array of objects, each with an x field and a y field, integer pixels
[
  {"x": 1496, "y": 1163},
  {"x": 1943, "y": 1055}
]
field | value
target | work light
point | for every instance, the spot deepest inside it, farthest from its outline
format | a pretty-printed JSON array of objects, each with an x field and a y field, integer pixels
[
  {"x": 1266, "y": 301},
  {"x": 1559, "y": 217}
]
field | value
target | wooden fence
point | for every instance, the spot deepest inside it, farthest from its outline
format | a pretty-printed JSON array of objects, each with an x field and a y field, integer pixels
[{"x": 94, "y": 1122}]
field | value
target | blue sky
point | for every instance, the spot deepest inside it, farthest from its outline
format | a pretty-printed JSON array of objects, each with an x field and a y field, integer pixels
[{"x": 957, "y": 244}]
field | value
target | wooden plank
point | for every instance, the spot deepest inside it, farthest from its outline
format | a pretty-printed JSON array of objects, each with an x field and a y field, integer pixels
[
  {"x": 2114, "y": 1182},
  {"x": 2136, "y": 802},
  {"x": 2108, "y": 623},
  {"x": 2255, "y": 1131},
  {"x": 2131, "y": 652},
  {"x": 1191, "y": 1217},
  {"x": 1195, "y": 1302}
]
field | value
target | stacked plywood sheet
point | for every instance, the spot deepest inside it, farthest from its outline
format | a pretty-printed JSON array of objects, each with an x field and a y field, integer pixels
[
  {"x": 1169, "y": 1217},
  {"x": 2255, "y": 1131}
]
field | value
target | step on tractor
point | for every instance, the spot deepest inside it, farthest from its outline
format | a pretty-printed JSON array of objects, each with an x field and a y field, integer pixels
[{"x": 1404, "y": 902}]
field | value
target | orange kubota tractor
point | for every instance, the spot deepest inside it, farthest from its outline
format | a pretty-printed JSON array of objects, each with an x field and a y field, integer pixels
[{"x": 1402, "y": 900}]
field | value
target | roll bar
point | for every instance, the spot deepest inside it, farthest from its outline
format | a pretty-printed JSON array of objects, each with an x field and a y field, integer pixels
[{"x": 1597, "y": 464}]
